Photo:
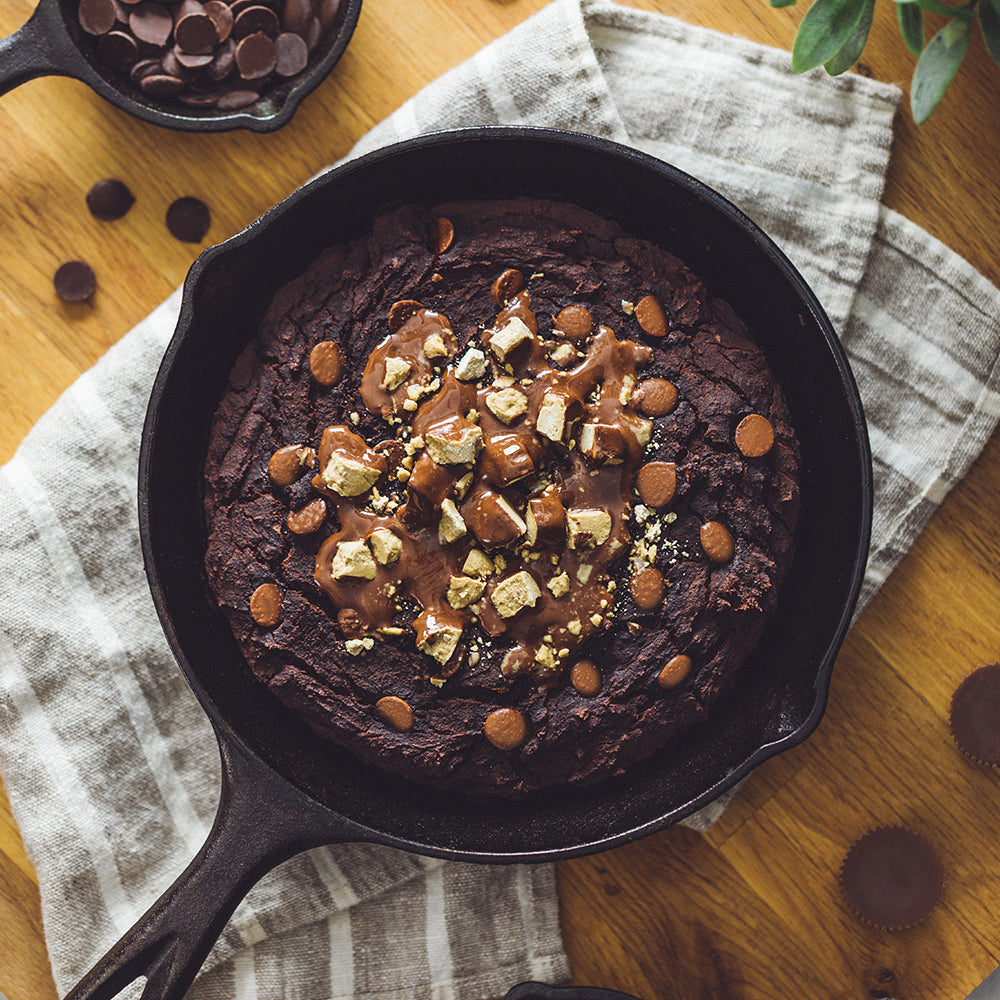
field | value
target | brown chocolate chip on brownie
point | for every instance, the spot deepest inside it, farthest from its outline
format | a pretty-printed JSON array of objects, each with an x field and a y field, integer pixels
[
  {"x": 326, "y": 362},
  {"x": 717, "y": 542},
  {"x": 651, "y": 316},
  {"x": 892, "y": 878},
  {"x": 656, "y": 483},
  {"x": 674, "y": 671},
  {"x": 288, "y": 463},
  {"x": 266, "y": 605},
  {"x": 401, "y": 311},
  {"x": 75, "y": 281},
  {"x": 574, "y": 322},
  {"x": 657, "y": 397},
  {"x": 754, "y": 435},
  {"x": 585, "y": 676},
  {"x": 505, "y": 728},
  {"x": 507, "y": 286},
  {"x": 443, "y": 235},
  {"x": 647, "y": 588},
  {"x": 309, "y": 519},
  {"x": 395, "y": 712}
]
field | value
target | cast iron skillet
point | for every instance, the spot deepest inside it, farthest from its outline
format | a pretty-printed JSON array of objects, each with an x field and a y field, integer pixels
[
  {"x": 285, "y": 789},
  {"x": 52, "y": 43}
]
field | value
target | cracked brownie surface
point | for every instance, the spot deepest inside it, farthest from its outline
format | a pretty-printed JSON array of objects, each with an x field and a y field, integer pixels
[{"x": 499, "y": 497}]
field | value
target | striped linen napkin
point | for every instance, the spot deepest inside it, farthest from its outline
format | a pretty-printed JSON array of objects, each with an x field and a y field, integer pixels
[{"x": 109, "y": 764}]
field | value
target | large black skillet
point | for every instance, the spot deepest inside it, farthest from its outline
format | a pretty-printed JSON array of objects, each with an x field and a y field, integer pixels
[
  {"x": 284, "y": 789},
  {"x": 52, "y": 43}
]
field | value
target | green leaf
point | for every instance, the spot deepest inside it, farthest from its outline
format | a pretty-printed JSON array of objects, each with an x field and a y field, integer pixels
[
  {"x": 911, "y": 25},
  {"x": 824, "y": 31},
  {"x": 989, "y": 21},
  {"x": 782, "y": 3},
  {"x": 937, "y": 68},
  {"x": 855, "y": 45},
  {"x": 936, "y": 7}
]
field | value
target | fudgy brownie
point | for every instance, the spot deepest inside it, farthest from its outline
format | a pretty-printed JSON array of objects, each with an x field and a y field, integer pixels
[{"x": 499, "y": 497}]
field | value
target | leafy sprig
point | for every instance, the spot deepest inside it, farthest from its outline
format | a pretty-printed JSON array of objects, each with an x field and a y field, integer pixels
[{"x": 833, "y": 34}]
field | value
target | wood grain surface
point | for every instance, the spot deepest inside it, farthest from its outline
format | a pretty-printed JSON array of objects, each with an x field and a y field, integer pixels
[{"x": 750, "y": 910}]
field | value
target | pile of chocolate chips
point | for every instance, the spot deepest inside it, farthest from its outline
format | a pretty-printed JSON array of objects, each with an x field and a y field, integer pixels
[{"x": 217, "y": 54}]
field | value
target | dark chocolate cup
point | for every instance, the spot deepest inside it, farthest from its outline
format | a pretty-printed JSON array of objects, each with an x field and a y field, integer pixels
[
  {"x": 52, "y": 43},
  {"x": 286, "y": 789}
]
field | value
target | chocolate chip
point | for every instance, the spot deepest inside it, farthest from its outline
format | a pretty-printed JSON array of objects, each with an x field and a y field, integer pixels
[
  {"x": 187, "y": 60},
  {"x": 297, "y": 15},
  {"x": 326, "y": 362},
  {"x": 151, "y": 22},
  {"x": 754, "y": 435},
  {"x": 505, "y": 728},
  {"x": 161, "y": 85},
  {"x": 717, "y": 542},
  {"x": 222, "y": 17},
  {"x": 657, "y": 397},
  {"x": 656, "y": 483},
  {"x": 309, "y": 519},
  {"x": 109, "y": 199},
  {"x": 292, "y": 52},
  {"x": 651, "y": 316},
  {"x": 236, "y": 99},
  {"x": 188, "y": 218},
  {"x": 647, "y": 588},
  {"x": 75, "y": 281},
  {"x": 443, "y": 236},
  {"x": 255, "y": 56},
  {"x": 574, "y": 322},
  {"x": 507, "y": 286},
  {"x": 257, "y": 18},
  {"x": 975, "y": 715},
  {"x": 287, "y": 464},
  {"x": 118, "y": 49},
  {"x": 401, "y": 311},
  {"x": 97, "y": 17},
  {"x": 328, "y": 13},
  {"x": 674, "y": 672},
  {"x": 892, "y": 878},
  {"x": 197, "y": 34},
  {"x": 266, "y": 605},
  {"x": 395, "y": 712},
  {"x": 585, "y": 676}
]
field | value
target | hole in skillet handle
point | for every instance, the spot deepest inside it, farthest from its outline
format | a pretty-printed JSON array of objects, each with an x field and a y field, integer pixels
[
  {"x": 60, "y": 46},
  {"x": 540, "y": 991}
]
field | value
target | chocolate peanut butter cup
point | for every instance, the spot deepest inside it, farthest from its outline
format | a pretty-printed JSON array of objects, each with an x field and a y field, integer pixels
[
  {"x": 892, "y": 878},
  {"x": 974, "y": 717}
]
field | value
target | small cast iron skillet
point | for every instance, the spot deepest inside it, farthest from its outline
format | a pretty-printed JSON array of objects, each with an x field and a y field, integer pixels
[
  {"x": 285, "y": 789},
  {"x": 52, "y": 43}
]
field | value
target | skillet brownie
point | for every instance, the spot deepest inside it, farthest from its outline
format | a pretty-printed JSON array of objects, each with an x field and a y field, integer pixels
[{"x": 499, "y": 498}]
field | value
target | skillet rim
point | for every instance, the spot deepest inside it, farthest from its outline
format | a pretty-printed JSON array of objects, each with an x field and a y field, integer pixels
[{"x": 863, "y": 494}]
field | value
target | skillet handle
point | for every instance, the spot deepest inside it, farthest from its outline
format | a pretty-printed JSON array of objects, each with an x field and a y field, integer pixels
[
  {"x": 261, "y": 822},
  {"x": 40, "y": 47}
]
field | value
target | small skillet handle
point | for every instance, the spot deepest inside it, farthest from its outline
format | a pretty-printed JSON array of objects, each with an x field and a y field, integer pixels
[
  {"x": 40, "y": 47},
  {"x": 261, "y": 822}
]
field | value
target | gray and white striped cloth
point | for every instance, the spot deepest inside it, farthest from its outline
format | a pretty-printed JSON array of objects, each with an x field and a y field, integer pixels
[{"x": 109, "y": 765}]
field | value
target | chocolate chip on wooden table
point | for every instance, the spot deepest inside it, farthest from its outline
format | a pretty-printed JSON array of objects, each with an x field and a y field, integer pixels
[
  {"x": 75, "y": 281},
  {"x": 188, "y": 218},
  {"x": 109, "y": 199}
]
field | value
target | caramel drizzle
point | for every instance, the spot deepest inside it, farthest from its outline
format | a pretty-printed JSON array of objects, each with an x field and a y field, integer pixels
[{"x": 597, "y": 389}]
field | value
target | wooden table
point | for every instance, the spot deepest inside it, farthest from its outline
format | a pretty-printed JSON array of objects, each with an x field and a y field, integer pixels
[{"x": 750, "y": 910}]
